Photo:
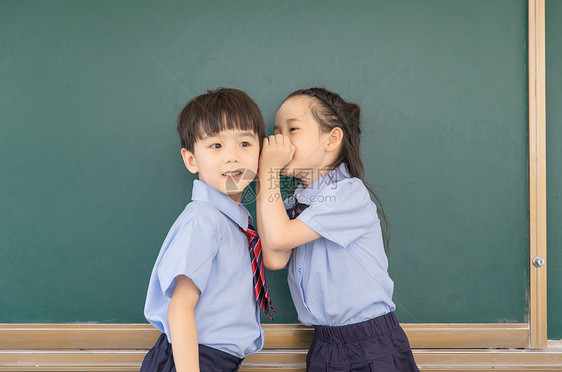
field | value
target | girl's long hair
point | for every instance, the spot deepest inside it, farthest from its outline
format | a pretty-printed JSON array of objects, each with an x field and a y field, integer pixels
[{"x": 331, "y": 111}]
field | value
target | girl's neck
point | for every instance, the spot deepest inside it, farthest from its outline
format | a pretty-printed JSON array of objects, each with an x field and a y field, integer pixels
[{"x": 316, "y": 174}]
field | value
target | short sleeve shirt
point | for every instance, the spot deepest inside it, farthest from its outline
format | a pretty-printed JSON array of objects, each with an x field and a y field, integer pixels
[
  {"x": 340, "y": 278},
  {"x": 206, "y": 244}
]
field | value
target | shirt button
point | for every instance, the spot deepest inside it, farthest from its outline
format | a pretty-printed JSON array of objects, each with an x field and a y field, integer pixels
[{"x": 300, "y": 270}]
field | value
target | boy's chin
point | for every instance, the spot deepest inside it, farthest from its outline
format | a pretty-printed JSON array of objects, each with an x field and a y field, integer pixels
[
  {"x": 239, "y": 184},
  {"x": 249, "y": 174},
  {"x": 232, "y": 190}
]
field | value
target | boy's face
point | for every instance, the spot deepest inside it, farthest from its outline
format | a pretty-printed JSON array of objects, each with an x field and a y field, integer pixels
[{"x": 226, "y": 161}]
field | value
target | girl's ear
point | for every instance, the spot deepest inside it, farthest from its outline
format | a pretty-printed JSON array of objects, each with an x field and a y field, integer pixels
[
  {"x": 334, "y": 139},
  {"x": 189, "y": 161}
]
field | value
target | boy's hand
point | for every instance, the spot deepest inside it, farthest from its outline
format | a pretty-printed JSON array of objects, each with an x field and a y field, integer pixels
[{"x": 276, "y": 153}]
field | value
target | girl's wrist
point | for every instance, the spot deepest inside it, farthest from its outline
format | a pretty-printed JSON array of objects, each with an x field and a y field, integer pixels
[{"x": 268, "y": 174}]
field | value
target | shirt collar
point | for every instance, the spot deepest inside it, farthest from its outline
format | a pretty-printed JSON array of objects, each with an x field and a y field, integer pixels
[
  {"x": 308, "y": 195},
  {"x": 205, "y": 193}
]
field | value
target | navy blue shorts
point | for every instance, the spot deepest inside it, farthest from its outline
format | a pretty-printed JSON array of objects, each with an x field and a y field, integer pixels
[
  {"x": 379, "y": 344},
  {"x": 160, "y": 359}
]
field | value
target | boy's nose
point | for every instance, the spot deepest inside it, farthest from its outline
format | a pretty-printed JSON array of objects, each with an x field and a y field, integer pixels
[{"x": 231, "y": 155}]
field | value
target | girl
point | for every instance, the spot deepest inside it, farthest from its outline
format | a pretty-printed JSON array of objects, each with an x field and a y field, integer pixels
[{"x": 330, "y": 236}]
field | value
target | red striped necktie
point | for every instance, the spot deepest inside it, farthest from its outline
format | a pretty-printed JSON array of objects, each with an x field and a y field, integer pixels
[{"x": 260, "y": 286}]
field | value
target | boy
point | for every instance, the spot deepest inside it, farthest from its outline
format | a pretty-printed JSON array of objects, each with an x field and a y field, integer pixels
[{"x": 201, "y": 293}]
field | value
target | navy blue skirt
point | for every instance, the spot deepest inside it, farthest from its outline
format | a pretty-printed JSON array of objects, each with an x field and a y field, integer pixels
[
  {"x": 379, "y": 344},
  {"x": 160, "y": 359}
]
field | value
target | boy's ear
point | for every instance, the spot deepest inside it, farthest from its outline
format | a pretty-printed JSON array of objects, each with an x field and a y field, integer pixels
[
  {"x": 334, "y": 139},
  {"x": 189, "y": 161}
]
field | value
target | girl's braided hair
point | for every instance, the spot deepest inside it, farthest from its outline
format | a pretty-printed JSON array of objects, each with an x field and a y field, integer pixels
[{"x": 331, "y": 111}]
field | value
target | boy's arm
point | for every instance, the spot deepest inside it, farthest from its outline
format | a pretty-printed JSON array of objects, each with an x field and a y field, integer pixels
[
  {"x": 279, "y": 234},
  {"x": 183, "y": 330}
]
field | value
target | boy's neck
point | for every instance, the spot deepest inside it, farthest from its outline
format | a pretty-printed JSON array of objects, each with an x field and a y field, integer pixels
[{"x": 236, "y": 198}]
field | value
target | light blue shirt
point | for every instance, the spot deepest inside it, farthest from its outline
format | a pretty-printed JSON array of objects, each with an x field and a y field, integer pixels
[
  {"x": 206, "y": 245},
  {"x": 340, "y": 278}
]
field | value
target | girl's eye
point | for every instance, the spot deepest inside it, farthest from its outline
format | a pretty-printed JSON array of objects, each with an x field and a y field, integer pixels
[
  {"x": 216, "y": 146},
  {"x": 244, "y": 144},
  {"x": 293, "y": 129}
]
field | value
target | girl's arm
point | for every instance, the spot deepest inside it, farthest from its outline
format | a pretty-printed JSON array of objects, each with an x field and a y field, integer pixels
[
  {"x": 273, "y": 260},
  {"x": 183, "y": 330},
  {"x": 278, "y": 233}
]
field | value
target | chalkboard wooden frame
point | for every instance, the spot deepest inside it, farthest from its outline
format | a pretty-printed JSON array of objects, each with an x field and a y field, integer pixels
[
  {"x": 122, "y": 348},
  {"x": 537, "y": 173},
  {"x": 143, "y": 336},
  {"x": 514, "y": 335}
]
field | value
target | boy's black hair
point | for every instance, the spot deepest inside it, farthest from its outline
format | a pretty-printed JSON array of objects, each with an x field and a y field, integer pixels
[{"x": 218, "y": 110}]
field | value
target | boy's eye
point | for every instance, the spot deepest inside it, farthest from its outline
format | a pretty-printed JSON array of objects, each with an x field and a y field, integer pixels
[
  {"x": 293, "y": 129},
  {"x": 216, "y": 146},
  {"x": 244, "y": 144}
]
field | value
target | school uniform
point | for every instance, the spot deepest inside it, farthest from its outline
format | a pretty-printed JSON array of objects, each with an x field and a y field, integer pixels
[
  {"x": 339, "y": 283},
  {"x": 206, "y": 244}
]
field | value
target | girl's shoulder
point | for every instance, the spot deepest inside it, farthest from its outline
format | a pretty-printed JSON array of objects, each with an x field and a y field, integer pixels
[
  {"x": 342, "y": 212},
  {"x": 346, "y": 195},
  {"x": 345, "y": 188}
]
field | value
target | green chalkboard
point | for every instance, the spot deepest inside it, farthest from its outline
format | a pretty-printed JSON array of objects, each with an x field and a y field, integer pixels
[
  {"x": 553, "y": 160},
  {"x": 91, "y": 172}
]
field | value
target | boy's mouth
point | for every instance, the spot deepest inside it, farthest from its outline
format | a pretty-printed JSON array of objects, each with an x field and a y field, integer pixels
[{"x": 232, "y": 173}]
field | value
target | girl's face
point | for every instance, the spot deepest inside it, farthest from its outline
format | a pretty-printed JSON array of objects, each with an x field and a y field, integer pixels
[{"x": 295, "y": 120}]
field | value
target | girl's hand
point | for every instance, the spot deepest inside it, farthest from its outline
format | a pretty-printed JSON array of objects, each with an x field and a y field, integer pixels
[{"x": 276, "y": 153}]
